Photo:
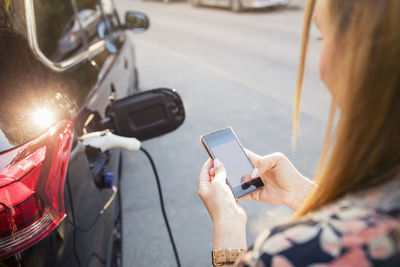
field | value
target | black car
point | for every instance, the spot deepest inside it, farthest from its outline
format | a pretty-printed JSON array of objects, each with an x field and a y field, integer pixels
[{"x": 59, "y": 196}]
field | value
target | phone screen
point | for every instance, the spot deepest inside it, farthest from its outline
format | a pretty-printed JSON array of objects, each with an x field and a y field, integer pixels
[{"x": 224, "y": 145}]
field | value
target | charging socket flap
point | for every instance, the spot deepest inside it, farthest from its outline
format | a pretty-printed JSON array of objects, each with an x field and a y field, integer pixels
[{"x": 147, "y": 115}]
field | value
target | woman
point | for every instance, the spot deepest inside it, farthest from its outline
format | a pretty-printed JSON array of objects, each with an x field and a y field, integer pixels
[{"x": 351, "y": 215}]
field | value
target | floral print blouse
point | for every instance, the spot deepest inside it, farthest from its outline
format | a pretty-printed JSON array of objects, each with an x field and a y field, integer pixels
[{"x": 362, "y": 229}]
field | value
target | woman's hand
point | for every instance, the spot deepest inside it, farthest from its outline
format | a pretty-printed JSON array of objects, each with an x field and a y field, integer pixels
[
  {"x": 283, "y": 183},
  {"x": 228, "y": 217}
]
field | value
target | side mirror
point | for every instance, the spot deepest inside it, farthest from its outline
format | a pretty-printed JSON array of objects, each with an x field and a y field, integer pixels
[
  {"x": 146, "y": 115},
  {"x": 136, "y": 21}
]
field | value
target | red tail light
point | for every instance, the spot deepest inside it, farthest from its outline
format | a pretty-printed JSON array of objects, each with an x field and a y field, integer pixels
[{"x": 32, "y": 189}]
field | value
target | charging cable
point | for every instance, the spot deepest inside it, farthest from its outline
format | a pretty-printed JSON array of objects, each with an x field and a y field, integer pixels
[
  {"x": 105, "y": 140},
  {"x": 162, "y": 206}
]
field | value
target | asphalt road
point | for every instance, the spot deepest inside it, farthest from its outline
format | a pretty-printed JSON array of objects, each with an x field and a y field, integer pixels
[{"x": 231, "y": 69}]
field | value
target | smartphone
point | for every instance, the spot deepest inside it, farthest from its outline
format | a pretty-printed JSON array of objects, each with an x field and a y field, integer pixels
[{"x": 224, "y": 146}]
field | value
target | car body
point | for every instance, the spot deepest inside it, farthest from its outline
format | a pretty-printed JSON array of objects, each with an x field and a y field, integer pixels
[
  {"x": 240, "y": 5},
  {"x": 60, "y": 200}
]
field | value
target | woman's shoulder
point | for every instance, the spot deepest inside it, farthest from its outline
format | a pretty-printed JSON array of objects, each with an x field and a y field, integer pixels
[{"x": 360, "y": 229}]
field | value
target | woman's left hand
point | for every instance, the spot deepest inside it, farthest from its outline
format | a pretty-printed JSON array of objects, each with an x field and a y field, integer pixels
[{"x": 228, "y": 217}]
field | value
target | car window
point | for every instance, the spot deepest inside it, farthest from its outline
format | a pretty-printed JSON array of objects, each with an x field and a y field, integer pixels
[
  {"x": 86, "y": 14},
  {"x": 58, "y": 31},
  {"x": 69, "y": 26},
  {"x": 99, "y": 18},
  {"x": 90, "y": 17},
  {"x": 111, "y": 14}
]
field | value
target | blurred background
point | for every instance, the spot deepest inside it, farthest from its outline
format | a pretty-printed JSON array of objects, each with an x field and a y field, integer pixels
[{"x": 231, "y": 68}]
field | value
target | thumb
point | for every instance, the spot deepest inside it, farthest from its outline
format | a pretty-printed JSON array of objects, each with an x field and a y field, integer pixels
[
  {"x": 220, "y": 173},
  {"x": 252, "y": 156},
  {"x": 204, "y": 178},
  {"x": 267, "y": 163}
]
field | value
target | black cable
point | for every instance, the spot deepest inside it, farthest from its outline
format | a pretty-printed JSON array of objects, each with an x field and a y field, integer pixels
[
  {"x": 72, "y": 222},
  {"x": 162, "y": 206}
]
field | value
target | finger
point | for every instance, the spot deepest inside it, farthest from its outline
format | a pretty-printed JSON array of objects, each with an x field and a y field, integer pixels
[
  {"x": 220, "y": 174},
  {"x": 246, "y": 197},
  {"x": 255, "y": 173},
  {"x": 212, "y": 172},
  {"x": 268, "y": 162},
  {"x": 252, "y": 156},
  {"x": 204, "y": 178}
]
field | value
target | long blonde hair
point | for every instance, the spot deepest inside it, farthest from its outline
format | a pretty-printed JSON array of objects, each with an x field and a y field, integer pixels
[{"x": 363, "y": 149}]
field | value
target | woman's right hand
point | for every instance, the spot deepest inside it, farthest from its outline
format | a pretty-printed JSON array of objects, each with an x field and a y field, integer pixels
[{"x": 283, "y": 182}]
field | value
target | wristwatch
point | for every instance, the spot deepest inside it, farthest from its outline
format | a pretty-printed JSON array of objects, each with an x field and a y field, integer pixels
[{"x": 221, "y": 257}]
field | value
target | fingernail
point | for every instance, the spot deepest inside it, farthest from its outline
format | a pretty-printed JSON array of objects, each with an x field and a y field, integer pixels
[
  {"x": 254, "y": 173},
  {"x": 217, "y": 163}
]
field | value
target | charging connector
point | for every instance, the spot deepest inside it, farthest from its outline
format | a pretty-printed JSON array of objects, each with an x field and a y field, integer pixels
[{"x": 106, "y": 140}]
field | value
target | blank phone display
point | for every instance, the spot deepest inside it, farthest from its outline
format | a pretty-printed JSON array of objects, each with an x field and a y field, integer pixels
[{"x": 237, "y": 166}]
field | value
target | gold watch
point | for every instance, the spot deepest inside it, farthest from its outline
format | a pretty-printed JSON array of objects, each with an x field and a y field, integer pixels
[{"x": 221, "y": 257}]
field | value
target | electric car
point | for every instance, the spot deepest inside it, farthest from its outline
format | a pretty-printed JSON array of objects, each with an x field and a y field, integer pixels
[{"x": 60, "y": 169}]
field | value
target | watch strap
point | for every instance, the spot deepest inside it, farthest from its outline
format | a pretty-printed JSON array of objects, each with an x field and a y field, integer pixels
[{"x": 221, "y": 257}]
